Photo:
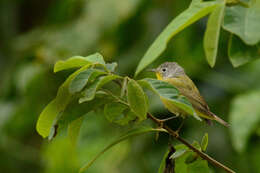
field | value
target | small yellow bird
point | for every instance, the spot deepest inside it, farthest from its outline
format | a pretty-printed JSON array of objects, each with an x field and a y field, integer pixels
[{"x": 174, "y": 74}]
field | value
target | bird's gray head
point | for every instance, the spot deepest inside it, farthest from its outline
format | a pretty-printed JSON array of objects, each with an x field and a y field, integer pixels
[{"x": 169, "y": 70}]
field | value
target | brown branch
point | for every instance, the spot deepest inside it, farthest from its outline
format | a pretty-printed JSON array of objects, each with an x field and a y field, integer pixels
[{"x": 201, "y": 154}]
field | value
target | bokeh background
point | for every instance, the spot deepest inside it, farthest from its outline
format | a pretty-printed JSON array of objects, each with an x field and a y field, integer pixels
[{"x": 34, "y": 34}]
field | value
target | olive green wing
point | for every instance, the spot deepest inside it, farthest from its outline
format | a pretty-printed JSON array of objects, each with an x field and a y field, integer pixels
[
  {"x": 190, "y": 91},
  {"x": 187, "y": 88}
]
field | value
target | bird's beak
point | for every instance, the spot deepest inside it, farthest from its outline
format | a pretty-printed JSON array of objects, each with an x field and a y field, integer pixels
[{"x": 152, "y": 70}]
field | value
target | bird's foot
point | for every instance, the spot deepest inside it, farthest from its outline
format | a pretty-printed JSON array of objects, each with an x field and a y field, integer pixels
[
  {"x": 177, "y": 134},
  {"x": 166, "y": 119}
]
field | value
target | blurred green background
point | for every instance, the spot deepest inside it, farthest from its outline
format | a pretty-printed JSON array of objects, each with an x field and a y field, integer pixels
[{"x": 34, "y": 34}]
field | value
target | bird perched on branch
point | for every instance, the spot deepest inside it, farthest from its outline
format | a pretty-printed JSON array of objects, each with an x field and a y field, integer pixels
[{"x": 174, "y": 74}]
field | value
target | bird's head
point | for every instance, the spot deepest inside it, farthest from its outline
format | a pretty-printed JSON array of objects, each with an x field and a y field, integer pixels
[{"x": 168, "y": 70}]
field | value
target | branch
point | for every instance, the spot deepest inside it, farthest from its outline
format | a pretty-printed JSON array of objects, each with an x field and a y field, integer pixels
[{"x": 201, "y": 154}]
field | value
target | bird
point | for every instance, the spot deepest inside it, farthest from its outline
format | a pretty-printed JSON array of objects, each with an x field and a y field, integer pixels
[{"x": 175, "y": 75}]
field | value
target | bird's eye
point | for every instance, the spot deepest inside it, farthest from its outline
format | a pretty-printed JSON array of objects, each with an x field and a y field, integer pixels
[{"x": 164, "y": 69}]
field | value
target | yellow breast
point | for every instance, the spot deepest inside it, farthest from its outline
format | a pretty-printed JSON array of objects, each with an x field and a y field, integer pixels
[{"x": 169, "y": 105}]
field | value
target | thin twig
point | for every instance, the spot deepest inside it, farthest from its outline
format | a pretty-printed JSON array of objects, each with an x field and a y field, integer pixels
[{"x": 201, "y": 154}]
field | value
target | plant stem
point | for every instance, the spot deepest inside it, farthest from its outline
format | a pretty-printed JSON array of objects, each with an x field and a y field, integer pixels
[{"x": 201, "y": 154}]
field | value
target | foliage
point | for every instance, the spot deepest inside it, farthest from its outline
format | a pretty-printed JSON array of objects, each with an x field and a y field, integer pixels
[
  {"x": 196, "y": 11},
  {"x": 237, "y": 20},
  {"x": 89, "y": 80},
  {"x": 211, "y": 38},
  {"x": 185, "y": 159},
  {"x": 97, "y": 102}
]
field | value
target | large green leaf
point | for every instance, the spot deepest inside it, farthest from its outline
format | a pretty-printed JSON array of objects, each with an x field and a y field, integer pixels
[
  {"x": 211, "y": 36},
  {"x": 196, "y": 10},
  {"x": 90, "y": 91},
  {"x": 49, "y": 115},
  {"x": 244, "y": 22},
  {"x": 168, "y": 92},
  {"x": 129, "y": 134},
  {"x": 46, "y": 118},
  {"x": 73, "y": 62},
  {"x": 72, "y": 111},
  {"x": 239, "y": 53},
  {"x": 78, "y": 61},
  {"x": 136, "y": 99},
  {"x": 81, "y": 80},
  {"x": 244, "y": 118}
]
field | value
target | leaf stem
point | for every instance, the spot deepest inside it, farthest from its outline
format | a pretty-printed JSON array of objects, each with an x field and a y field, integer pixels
[
  {"x": 116, "y": 97},
  {"x": 201, "y": 154}
]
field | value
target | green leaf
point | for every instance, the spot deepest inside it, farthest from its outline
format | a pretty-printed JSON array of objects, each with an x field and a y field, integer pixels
[
  {"x": 72, "y": 111},
  {"x": 244, "y": 118},
  {"x": 96, "y": 58},
  {"x": 244, "y": 22},
  {"x": 239, "y": 53},
  {"x": 118, "y": 113},
  {"x": 136, "y": 99},
  {"x": 46, "y": 118},
  {"x": 90, "y": 91},
  {"x": 111, "y": 66},
  {"x": 178, "y": 153},
  {"x": 199, "y": 165},
  {"x": 196, "y": 144},
  {"x": 49, "y": 116},
  {"x": 211, "y": 36},
  {"x": 74, "y": 129},
  {"x": 73, "y": 62},
  {"x": 129, "y": 134},
  {"x": 169, "y": 93},
  {"x": 78, "y": 61},
  {"x": 81, "y": 80},
  {"x": 180, "y": 165},
  {"x": 129, "y": 116},
  {"x": 204, "y": 142},
  {"x": 191, "y": 158},
  {"x": 196, "y": 11},
  {"x": 114, "y": 110}
]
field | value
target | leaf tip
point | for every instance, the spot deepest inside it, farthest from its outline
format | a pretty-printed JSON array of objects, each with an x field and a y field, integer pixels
[
  {"x": 211, "y": 64},
  {"x": 40, "y": 131}
]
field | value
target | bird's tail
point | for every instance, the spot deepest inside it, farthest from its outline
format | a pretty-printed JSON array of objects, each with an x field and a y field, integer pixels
[{"x": 220, "y": 120}]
